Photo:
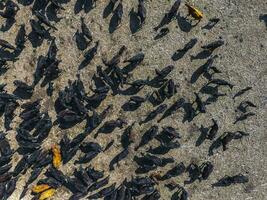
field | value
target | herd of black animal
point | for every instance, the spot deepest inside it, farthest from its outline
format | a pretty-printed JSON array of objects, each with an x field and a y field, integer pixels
[{"x": 73, "y": 106}]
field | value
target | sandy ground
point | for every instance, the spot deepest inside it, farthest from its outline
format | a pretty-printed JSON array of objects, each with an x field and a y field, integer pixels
[{"x": 243, "y": 62}]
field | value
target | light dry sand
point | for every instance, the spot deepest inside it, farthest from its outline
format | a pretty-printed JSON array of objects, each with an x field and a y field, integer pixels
[{"x": 243, "y": 61}]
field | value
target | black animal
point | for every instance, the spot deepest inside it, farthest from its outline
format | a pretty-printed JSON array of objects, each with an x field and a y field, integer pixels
[
  {"x": 168, "y": 17},
  {"x": 148, "y": 136},
  {"x": 181, "y": 52},
  {"x": 229, "y": 180}
]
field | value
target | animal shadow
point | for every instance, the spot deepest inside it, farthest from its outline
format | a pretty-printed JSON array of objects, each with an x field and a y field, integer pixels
[{"x": 135, "y": 22}]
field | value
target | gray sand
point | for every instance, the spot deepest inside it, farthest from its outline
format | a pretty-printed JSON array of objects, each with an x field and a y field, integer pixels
[{"x": 242, "y": 60}]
